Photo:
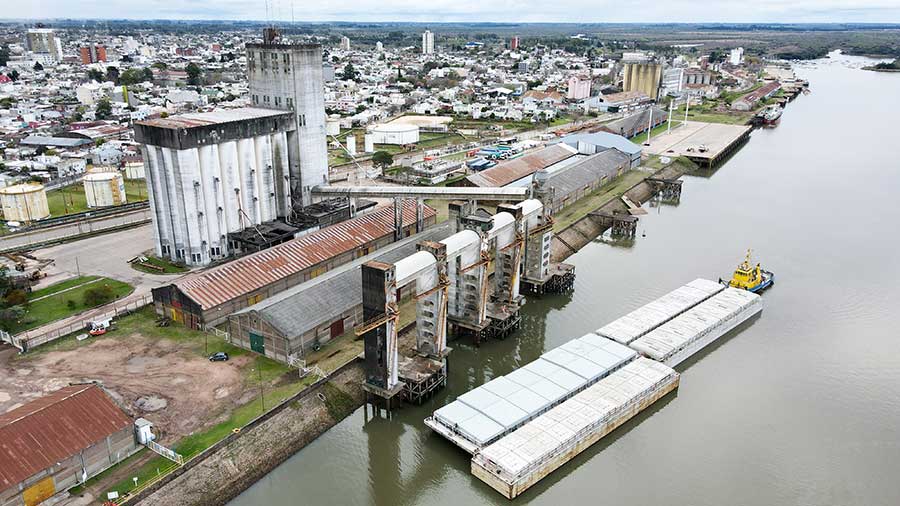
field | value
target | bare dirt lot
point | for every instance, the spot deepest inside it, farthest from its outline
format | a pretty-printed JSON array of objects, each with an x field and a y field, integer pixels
[{"x": 159, "y": 379}]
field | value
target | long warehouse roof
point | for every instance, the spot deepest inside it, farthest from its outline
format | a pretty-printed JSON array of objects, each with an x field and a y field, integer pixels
[
  {"x": 225, "y": 282},
  {"x": 646, "y": 318},
  {"x": 719, "y": 310},
  {"x": 510, "y": 171},
  {"x": 505, "y": 403},
  {"x": 525, "y": 449}
]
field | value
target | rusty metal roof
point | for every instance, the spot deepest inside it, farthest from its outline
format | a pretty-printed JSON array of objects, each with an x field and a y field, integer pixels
[
  {"x": 250, "y": 273},
  {"x": 507, "y": 172},
  {"x": 218, "y": 117},
  {"x": 51, "y": 429}
]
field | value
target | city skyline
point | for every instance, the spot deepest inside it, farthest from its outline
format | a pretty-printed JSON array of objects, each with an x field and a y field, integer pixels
[{"x": 580, "y": 11}]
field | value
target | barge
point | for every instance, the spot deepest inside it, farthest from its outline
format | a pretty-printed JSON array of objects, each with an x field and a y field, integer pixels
[
  {"x": 519, "y": 460},
  {"x": 502, "y": 405},
  {"x": 687, "y": 334},
  {"x": 650, "y": 316}
]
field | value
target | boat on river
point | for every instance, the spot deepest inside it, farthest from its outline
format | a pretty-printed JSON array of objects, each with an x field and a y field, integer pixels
[{"x": 749, "y": 277}]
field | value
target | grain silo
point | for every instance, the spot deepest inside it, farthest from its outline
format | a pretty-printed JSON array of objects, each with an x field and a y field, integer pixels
[
  {"x": 24, "y": 202},
  {"x": 104, "y": 189}
]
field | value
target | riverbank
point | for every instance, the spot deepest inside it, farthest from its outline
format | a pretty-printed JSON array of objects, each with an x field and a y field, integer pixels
[
  {"x": 568, "y": 240},
  {"x": 247, "y": 456}
]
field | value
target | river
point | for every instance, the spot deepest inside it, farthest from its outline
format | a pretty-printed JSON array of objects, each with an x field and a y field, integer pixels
[{"x": 800, "y": 406}]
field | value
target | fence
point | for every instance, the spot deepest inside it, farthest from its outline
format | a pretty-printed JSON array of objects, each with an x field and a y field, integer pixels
[{"x": 29, "y": 339}]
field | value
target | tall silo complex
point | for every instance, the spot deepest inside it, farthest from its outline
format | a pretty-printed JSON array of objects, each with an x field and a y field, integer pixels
[
  {"x": 104, "y": 189},
  {"x": 288, "y": 76},
  {"x": 24, "y": 202}
]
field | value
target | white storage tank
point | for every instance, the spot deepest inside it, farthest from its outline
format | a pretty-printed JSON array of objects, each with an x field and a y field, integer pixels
[
  {"x": 333, "y": 126},
  {"x": 369, "y": 143},
  {"x": 104, "y": 189},
  {"x": 24, "y": 202},
  {"x": 134, "y": 170}
]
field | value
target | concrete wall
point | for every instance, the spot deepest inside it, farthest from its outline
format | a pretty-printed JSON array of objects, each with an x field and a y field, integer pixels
[{"x": 68, "y": 473}]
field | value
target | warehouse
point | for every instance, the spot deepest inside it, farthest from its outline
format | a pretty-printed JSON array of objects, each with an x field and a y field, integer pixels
[
  {"x": 57, "y": 441},
  {"x": 638, "y": 122},
  {"x": 332, "y": 305},
  {"x": 208, "y": 297},
  {"x": 558, "y": 189},
  {"x": 519, "y": 172},
  {"x": 601, "y": 141}
]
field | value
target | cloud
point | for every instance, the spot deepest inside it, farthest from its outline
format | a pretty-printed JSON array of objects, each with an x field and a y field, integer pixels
[{"x": 784, "y": 11}]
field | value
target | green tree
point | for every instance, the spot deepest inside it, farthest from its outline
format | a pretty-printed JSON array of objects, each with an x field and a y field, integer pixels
[
  {"x": 112, "y": 74},
  {"x": 193, "y": 71},
  {"x": 4, "y": 55},
  {"x": 148, "y": 74},
  {"x": 13, "y": 74},
  {"x": 95, "y": 75},
  {"x": 382, "y": 159},
  {"x": 37, "y": 66},
  {"x": 104, "y": 109},
  {"x": 98, "y": 295},
  {"x": 350, "y": 73}
]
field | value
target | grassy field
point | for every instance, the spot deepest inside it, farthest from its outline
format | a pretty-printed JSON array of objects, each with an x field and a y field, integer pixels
[
  {"x": 71, "y": 199},
  {"x": 613, "y": 190},
  {"x": 709, "y": 115},
  {"x": 58, "y": 306},
  {"x": 166, "y": 266}
]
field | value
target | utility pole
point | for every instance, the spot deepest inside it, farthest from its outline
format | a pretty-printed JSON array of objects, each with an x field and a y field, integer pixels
[
  {"x": 649, "y": 125},
  {"x": 671, "y": 104},
  {"x": 262, "y": 396},
  {"x": 687, "y": 107}
]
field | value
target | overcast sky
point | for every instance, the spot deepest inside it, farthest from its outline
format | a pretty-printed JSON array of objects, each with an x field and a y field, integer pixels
[{"x": 786, "y": 11}]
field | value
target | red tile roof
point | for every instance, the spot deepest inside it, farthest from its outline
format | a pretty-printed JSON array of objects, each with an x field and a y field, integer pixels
[
  {"x": 51, "y": 429},
  {"x": 250, "y": 273}
]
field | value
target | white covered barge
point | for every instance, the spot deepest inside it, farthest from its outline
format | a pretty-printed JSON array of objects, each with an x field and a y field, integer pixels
[
  {"x": 500, "y": 406},
  {"x": 687, "y": 334},
  {"x": 522, "y": 426},
  {"x": 519, "y": 460},
  {"x": 650, "y": 316}
]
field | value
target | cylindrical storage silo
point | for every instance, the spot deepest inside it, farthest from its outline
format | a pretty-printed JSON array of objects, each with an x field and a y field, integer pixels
[
  {"x": 24, "y": 202},
  {"x": 104, "y": 189},
  {"x": 134, "y": 170},
  {"x": 333, "y": 127},
  {"x": 369, "y": 143}
]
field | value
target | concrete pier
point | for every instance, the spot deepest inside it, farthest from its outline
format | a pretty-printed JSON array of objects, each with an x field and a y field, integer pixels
[{"x": 706, "y": 144}]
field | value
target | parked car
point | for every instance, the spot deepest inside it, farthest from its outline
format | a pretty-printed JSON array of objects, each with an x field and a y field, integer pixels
[{"x": 219, "y": 356}]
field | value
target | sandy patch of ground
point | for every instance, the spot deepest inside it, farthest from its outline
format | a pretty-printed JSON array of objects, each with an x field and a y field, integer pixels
[{"x": 155, "y": 378}]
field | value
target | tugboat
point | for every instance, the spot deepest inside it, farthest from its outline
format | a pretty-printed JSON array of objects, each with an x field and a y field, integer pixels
[
  {"x": 751, "y": 278},
  {"x": 771, "y": 114}
]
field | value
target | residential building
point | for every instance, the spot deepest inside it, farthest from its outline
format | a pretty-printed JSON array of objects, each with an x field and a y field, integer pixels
[
  {"x": 428, "y": 42},
  {"x": 43, "y": 41},
  {"x": 514, "y": 43},
  {"x": 579, "y": 87},
  {"x": 345, "y": 43},
  {"x": 736, "y": 56},
  {"x": 92, "y": 54}
]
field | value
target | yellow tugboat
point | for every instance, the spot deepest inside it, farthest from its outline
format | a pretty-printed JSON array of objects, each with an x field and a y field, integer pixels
[{"x": 751, "y": 278}]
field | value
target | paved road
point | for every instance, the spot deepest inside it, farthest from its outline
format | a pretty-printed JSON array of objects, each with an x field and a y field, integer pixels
[
  {"x": 26, "y": 239},
  {"x": 104, "y": 255}
]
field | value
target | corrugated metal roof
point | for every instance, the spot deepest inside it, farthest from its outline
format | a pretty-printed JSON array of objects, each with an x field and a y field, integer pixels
[
  {"x": 218, "y": 117},
  {"x": 326, "y": 297},
  {"x": 51, "y": 429},
  {"x": 250, "y": 273},
  {"x": 603, "y": 139},
  {"x": 513, "y": 170},
  {"x": 588, "y": 171}
]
